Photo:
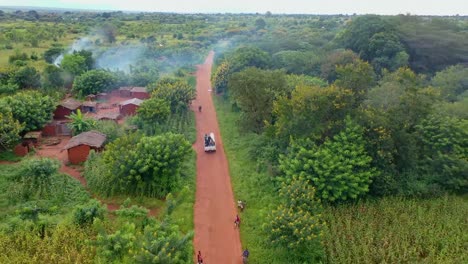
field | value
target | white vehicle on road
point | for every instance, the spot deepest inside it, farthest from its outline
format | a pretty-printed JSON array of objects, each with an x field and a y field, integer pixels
[{"x": 210, "y": 144}]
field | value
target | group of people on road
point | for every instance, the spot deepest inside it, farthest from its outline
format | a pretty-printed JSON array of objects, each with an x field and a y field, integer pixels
[{"x": 245, "y": 256}]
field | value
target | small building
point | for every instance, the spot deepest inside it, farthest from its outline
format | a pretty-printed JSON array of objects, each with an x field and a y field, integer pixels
[
  {"x": 66, "y": 107},
  {"x": 79, "y": 146},
  {"x": 102, "y": 96},
  {"x": 89, "y": 107},
  {"x": 129, "y": 107},
  {"x": 56, "y": 128},
  {"x": 114, "y": 116},
  {"x": 32, "y": 138},
  {"x": 90, "y": 97},
  {"x": 125, "y": 91},
  {"x": 139, "y": 92}
]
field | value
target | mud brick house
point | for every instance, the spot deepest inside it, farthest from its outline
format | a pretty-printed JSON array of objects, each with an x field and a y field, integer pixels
[
  {"x": 56, "y": 128},
  {"x": 129, "y": 107},
  {"x": 114, "y": 116},
  {"x": 89, "y": 107},
  {"x": 102, "y": 96},
  {"x": 124, "y": 91},
  {"x": 66, "y": 107},
  {"x": 32, "y": 138},
  {"x": 79, "y": 146},
  {"x": 139, "y": 92}
]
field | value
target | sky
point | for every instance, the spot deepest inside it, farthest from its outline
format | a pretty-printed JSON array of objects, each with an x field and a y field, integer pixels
[{"x": 383, "y": 7}]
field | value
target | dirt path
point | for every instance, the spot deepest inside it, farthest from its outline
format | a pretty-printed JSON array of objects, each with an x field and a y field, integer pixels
[{"x": 215, "y": 211}]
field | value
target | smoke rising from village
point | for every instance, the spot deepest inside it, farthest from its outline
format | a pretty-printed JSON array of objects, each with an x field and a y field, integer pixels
[{"x": 116, "y": 58}]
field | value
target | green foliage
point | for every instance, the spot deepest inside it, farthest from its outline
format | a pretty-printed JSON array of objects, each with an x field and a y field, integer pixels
[
  {"x": 220, "y": 77},
  {"x": 358, "y": 77},
  {"x": 66, "y": 244},
  {"x": 93, "y": 82},
  {"x": 444, "y": 151},
  {"x": 178, "y": 93},
  {"x": 297, "y": 223},
  {"x": 9, "y": 129},
  {"x": 110, "y": 128},
  {"x": 157, "y": 243},
  {"x": 74, "y": 64},
  {"x": 338, "y": 57},
  {"x": 146, "y": 166},
  {"x": 397, "y": 230},
  {"x": 26, "y": 77},
  {"x": 154, "y": 110},
  {"x": 30, "y": 108},
  {"x": 254, "y": 91},
  {"x": 297, "y": 62},
  {"x": 245, "y": 57},
  {"x": 163, "y": 243},
  {"x": 80, "y": 123},
  {"x": 52, "y": 53},
  {"x": 85, "y": 215},
  {"x": 312, "y": 112},
  {"x": 53, "y": 76},
  {"x": 340, "y": 169},
  {"x": 35, "y": 177},
  {"x": 452, "y": 82}
]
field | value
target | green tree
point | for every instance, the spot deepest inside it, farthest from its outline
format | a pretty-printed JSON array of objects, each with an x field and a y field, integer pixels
[
  {"x": 36, "y": 175},
  {"x": 88, "y": 55},
  {"x": 452, "y": 82},
  {"x": 84, "y": 215},
  {"x": 163, "y": 243},
  {"x": 178, "y": 93},
  {"x": 260, "y": 23},
  {"x": 220, "y": 77},
  {"x": 53, "y": 76},
  {"x": 9, "y": 129},
  {"x": 312, "y": 112},
  {"x": 339, "y": 57},
  {"x": 51, "y": 54},
  {"x": 80, "y": 123},
  {"x": 339, "y": 169},
  {"x": 245, "y": 57},
  {"x": 26, "y": 77},
  {"x": 444, "y": 151},
  {"x": 93, "y": 82},
  {"x": 297, "y": 223},
  {"x": 149, "y": 166},
  {"x": 154, "y": 110},
  {"x": 31, "y": 108},
  {"x": 358, "y": 77},
  {"x": 74, "y": 64},
  {"x": 254, "y": 91}
]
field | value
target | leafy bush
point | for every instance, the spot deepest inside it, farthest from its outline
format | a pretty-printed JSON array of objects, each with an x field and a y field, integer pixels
[
  {"x": 36, "y": 176},
  {"x": 93, "y": 82},
  {"x": 84, "y": 215},
  {"x": 30, "y": 108},
  {"x": 339, "y": 169}
]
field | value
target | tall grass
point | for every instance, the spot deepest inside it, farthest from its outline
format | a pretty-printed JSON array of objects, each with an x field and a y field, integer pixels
[{"x": 398, "y": 230}]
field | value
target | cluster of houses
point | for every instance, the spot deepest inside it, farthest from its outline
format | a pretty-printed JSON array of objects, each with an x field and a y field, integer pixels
[{"x": 119, "y": 103}]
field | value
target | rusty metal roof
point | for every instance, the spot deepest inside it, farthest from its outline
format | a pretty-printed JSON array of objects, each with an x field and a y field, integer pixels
[{"x": 134, "y": 101}]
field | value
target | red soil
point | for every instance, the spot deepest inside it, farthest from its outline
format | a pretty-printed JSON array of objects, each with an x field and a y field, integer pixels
[{"x": 215, "y": 210}]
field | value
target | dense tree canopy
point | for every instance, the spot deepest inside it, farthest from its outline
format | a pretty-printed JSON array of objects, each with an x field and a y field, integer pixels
[
  {"x": 93, "y": 82},
  {"x": 254, "y": 91},
  {"x": 30, "y": 108}
]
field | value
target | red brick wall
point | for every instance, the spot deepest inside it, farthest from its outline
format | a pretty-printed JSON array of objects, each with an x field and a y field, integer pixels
[
  {"x": 21, "y": 150},
  {"x": 49, "y": 130},
  {"x": 140, "y": 95},
  {"x": 78, "y": 154},
  {"x": 61, "y": 112},
  {"x": 129, "y": 109}
]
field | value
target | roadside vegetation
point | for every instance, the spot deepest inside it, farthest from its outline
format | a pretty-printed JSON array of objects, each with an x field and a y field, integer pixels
[{"x": 346, "y": 135}]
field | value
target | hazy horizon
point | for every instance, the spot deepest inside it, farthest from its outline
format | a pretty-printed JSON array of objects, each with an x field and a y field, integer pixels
[{"x": 382, "y": 7}]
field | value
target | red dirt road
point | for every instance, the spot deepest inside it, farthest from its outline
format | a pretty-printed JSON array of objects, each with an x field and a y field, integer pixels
[{"x": 215, "y": 210}]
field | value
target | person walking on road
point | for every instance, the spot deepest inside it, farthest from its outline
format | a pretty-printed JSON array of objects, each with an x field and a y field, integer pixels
[
  {"x": 199, "y": 108},
  {"x": 199, "y": 258},
  {"x": 237, "y": 221}
]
